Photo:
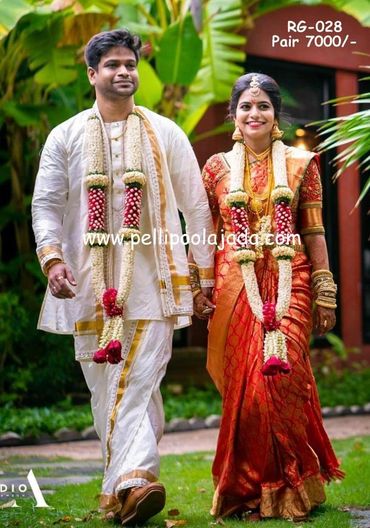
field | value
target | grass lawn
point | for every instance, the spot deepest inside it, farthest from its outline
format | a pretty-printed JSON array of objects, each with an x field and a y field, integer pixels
[{"x": 189, "y": 489}]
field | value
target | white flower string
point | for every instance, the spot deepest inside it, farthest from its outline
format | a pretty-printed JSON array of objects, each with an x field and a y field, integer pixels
[
  {"x": 112, "y": 299},
  {"x": 268, "y": 313}
]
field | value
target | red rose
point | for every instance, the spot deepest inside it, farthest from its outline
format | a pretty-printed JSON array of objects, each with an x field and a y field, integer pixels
[
  {"x": 114, "y": 349},
  {"x": 100, "y": 356},
  {"x": 109, "y": 303},
  {"x": 272, "y": 366},
  {"x": 285, "y": 367}
]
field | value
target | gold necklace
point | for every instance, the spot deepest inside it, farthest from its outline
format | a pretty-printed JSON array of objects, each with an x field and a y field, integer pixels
[
  {"x": 113, "y": 138},
  {"x": 257, "y": 157},
  {"x": 255, "y": 203},
  {"x": 116, "y": 137}
]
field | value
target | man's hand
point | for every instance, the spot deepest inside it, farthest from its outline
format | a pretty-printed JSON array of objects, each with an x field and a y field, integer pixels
[
  {"x": 58, "y": 277},
  {"x": 203, "y": 307}
]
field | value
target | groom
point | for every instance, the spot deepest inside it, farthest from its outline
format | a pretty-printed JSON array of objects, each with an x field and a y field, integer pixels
[{"x": 119, "y": 169}]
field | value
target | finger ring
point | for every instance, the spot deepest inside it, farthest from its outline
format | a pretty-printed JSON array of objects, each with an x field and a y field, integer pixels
[
  {"x": 60, "y": 277},
  {"x": 325, "y": 323}
]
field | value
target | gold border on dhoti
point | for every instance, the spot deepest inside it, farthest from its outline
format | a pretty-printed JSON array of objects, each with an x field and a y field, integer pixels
[
  {"x": 122, "y": 382},
  {"x": 206, "y": 273}
]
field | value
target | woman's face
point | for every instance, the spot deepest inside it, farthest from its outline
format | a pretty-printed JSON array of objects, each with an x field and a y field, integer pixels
[{"x": 255, "y": 116}]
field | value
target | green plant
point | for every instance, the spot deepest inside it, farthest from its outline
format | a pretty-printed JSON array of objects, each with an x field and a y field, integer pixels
[
  {"x": 195, "y": 54},
  {"x": 345, "y": 387},
  {"x": 350, "y": 135},
  {"x": 191, "y": 402},
  {"x": 38, "y": 367},
  {"x": 196, "y": 50},
  {"x": 35, "y": 421},
  {"x": 353, "y": 133},
  {"x": 10, "y": 312}
]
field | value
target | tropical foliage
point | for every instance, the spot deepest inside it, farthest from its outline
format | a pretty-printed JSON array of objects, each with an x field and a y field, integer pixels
[
  {"x": 350, "y": 136},
  {"x": 353, "y": 133},
  {"x": 194, "y": 54},
  {"x": 194, "y": 51}
]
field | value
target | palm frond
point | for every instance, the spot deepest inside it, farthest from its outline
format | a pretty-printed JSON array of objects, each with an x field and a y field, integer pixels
[
  {"x": 222, "y": 60},
  {"x": 351, "y": 135}
]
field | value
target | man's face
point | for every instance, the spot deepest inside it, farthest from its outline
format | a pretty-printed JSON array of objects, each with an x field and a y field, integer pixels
[{"x": 116, "y": 76}]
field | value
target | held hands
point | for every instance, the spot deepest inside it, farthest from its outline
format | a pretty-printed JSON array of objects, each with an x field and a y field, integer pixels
[
  {"x": 58, "y": 276},
  {"x": 203, "y": 307},
  {"x": 323, "y": 320}
]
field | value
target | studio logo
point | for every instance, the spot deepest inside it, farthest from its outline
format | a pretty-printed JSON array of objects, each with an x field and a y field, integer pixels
[{"x": 22, "y": 488}]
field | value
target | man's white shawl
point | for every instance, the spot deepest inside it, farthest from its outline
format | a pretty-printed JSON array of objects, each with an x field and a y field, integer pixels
[{"x": 60, "y": 219}]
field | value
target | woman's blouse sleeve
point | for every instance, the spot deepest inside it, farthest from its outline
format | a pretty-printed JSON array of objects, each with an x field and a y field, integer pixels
[
  {"x": 310, "y": 201},
  {"x": 210, "y": 175}
]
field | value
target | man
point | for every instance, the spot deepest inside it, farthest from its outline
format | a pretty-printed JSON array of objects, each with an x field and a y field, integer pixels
[{"x": 120, "y": 172}]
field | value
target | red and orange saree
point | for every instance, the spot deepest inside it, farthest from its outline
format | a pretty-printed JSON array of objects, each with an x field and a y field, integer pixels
[{"x": 273, "y": 453}]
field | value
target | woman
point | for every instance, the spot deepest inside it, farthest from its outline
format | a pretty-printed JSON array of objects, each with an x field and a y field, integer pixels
[{"x": 273, "y": 453}]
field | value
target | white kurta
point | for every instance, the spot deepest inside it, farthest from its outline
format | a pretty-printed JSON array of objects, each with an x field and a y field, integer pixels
[
  {"x": 126, "y": 402},
  {"x": 161, "y": 285}
]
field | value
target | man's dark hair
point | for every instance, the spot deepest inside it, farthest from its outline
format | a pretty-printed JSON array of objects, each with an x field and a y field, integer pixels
[{"x": 100, "y": 44}]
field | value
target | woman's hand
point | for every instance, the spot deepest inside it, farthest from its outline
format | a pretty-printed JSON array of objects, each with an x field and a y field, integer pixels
[
  {"x": 324, "y": 320},
  {"x": 203, "y": 307}
]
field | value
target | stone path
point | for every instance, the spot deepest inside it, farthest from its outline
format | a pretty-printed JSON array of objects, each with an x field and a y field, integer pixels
[
  {"x": 84, "y": 458},
  {"x": 177, "y": 443}
]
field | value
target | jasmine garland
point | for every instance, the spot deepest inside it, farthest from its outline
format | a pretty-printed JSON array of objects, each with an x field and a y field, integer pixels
[
  {"x": 268, "y": 313},
  {"x": 113, "y": 299}
]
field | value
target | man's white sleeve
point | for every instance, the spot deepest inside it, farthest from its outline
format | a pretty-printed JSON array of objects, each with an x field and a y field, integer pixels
[{"x": 50, "y": 199}]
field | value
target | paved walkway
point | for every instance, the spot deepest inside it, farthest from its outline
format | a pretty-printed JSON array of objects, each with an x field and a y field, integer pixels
[
  {"x": 86, "y": 463},
  {"x": 177, "y": 443}
]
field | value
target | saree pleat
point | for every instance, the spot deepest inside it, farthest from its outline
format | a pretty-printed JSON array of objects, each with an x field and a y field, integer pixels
[
  {"x": 272, "y": 449},
  {"x": 273, "y": 453}
]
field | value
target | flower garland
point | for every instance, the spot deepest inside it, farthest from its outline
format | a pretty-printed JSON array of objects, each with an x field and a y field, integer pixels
[
  {"x": 112, "y": 299},
  {"x": 268, "y": 313}
]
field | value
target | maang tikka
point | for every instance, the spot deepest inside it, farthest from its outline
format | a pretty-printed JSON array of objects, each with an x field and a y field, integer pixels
[{"x": 254, "y": 86}]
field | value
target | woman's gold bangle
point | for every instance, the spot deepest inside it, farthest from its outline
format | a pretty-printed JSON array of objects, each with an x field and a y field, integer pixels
[
  {"x": 325, "y": 305},
  {"x": 321, "y": 273}
]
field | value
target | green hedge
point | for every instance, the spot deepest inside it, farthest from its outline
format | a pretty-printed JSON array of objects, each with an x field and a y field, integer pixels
[{"x": 347, "y": 388}]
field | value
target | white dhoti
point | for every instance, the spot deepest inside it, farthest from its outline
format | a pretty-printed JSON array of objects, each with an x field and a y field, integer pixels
[{"x": 127, "y": 406}]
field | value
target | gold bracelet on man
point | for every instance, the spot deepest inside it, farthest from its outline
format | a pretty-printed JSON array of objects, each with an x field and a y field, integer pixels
[{"x": 194, "y": 280}]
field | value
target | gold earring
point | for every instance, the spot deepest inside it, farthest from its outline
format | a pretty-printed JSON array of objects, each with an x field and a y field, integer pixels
[
  {"x": 276, "y": 133},
  {"x": 237, "y": 135}
]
